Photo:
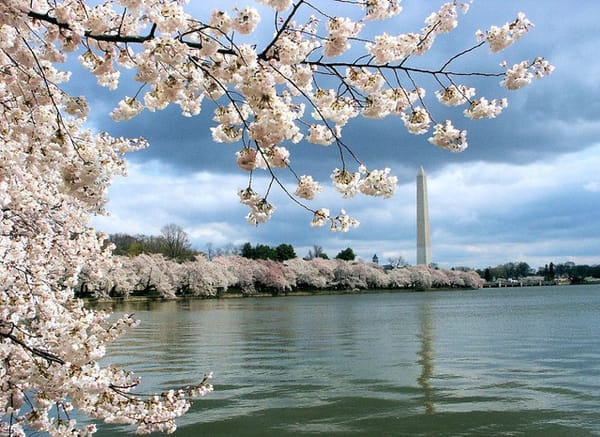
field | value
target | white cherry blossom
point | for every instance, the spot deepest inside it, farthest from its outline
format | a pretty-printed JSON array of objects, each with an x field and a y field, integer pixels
[
  {"x": 246, "y": 20},
  {"x": 417, "y": 122},
  {"x": 448, "y": 137},
  {"x": 321, "y": 134},
  {"x": 388, "y": 48},
  {"x": 380, "y": 9},
  {"x": 307, "y": 188},
  {"x": 504, "y": 36},
  {"x": 482, "y": 108},
  {"x": 455, "y": 95},
  {"x": 320, "y": 217},
  {"x": 341, "y": 29},
  {"x": 345, "y": 182},
  {"x": 248, "y": 159},
  {"x": 128, "y": 108},
  {"x": 342, "y": 222},
  {"x": 521, "y": 74},
  {"x": 378, "y": 183},
  {"x": 278, "y": 5}
]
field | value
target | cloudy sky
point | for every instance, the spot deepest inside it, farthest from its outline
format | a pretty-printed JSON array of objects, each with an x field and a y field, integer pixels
[{"x": 526, "y": 189}]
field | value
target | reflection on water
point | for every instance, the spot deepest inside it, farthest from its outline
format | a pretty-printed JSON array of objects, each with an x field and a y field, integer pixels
[
  {"x": 426, "y": 357},
  {"x": 490, "y": 362}
]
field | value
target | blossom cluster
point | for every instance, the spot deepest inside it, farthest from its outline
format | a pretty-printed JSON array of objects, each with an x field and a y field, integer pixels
[
  {"x": 260, "y": 209},
  {"x": 448, "y": 137},
  {"x": 380, "y": 9},
  {"x": 455, "y": 95},
  {"x": 339, "y": 223},
  {"x": 521, "y": 74},
  {"x": 482, "y": 108},
  {"x": 374, "y": 182},
  {"x": 340, "y": 29},
  {"x": 308, "y": 188},
  {"x": 388, "y": 48},
  {"x": 501, "y": 37}
]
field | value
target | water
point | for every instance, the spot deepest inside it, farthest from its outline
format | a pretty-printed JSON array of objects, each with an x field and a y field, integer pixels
[{"x": 520, "y": 361}]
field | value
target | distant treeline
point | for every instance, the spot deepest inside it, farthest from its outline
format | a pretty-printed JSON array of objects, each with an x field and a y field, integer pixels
[
  {"x": 518, "y": 270},
  {"x": 174, "y": 243}
]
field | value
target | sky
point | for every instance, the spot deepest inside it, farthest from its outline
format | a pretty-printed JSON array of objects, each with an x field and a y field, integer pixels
[{"x": 527, "y": 188}]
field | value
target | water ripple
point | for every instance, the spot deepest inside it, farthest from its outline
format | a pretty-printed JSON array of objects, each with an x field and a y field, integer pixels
[{"x": 506, "y": 362}]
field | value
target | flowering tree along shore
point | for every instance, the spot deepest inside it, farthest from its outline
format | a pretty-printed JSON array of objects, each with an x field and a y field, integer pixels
[
  {"x": 313, "y": 76},
  {"x": 155, "y": 275}
]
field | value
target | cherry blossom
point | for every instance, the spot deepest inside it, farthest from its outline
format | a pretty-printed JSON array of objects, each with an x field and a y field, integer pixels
[
  {"x": 365, "y": 80},
  {"x": 342, "y": 222},
  {"x": 307, "y": 187},
  {"x": 127, "y": 109},
  {"x": 388, "y": 48},
  {"x": 260, "y": 211},
  {"x": 482, "y": 108},
  {"x": 274, "y": 276},
  {"x": 380, "y": 9},
  {"x": 417, "y": 122},
  {"x": 320, "y": 218},
  {"x": 307, "y": 274},
  {"x": 278, "y": 5},
  {"x": 345, "y": 182},
  {"x": 455, "y": 95},
  {"x": 317, "y": 72},
  {"x": 209, "y": 278},
  {"x": 521, "y": 74},
  {"x": 340, "y": 30},
  {"x": 448, "y": 137},
  {"x": 246, "y": 20},
  {"x": 200, "y": 277},
  {"x": 322, "y": 134},
  {"x": 499, "y": 38},
  {"x": 378, "y": 182},
  {"x": 248, "y": 159}
]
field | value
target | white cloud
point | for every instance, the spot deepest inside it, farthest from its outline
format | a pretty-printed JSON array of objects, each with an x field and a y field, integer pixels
[
  {"x": 592, "y": 186},
  {"x": 469, "y": 203},
  {"x": 153, "y": 195},
  {"x": 460, "y": 190}
]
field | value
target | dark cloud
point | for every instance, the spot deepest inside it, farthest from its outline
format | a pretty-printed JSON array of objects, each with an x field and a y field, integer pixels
[{"x": 521, "y": 133}]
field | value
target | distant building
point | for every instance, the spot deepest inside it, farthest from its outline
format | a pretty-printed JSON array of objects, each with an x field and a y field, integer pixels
[
  {"x": 423, "y": 236},
  {"x": 375, "y": 259}
]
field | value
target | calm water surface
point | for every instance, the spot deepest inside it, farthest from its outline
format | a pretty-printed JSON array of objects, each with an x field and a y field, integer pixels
[{"x": 520, "y": 361}]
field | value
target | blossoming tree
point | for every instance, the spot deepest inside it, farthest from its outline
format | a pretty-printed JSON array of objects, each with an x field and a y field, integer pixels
[{"x": 313, "y": 76}]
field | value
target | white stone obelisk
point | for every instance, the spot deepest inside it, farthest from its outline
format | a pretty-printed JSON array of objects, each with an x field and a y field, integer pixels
[{"x": 423, "y": 238}]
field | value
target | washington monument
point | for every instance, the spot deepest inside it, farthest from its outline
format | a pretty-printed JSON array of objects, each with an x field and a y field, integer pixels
[{"x": 423, "y": 239}]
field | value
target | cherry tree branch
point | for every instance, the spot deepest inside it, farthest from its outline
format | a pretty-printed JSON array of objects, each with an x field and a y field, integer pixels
[
  {"x": 33, "y": 350},
  {"x": 263, "y": 55},
  {"x": 391, "y": 67},
  {"x": 98, "y": 37}
]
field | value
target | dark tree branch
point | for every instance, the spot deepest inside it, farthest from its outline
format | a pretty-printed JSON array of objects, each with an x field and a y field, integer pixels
[
  {"x": 34, "y": 350},
  {"x": 458, "y": 55},
  {"x": 284, "y": 27},
  {"x": 330, "y": 65},
  {"x": 98, "y": 37}
]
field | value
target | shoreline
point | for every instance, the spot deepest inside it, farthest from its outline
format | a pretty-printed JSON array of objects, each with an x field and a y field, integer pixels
[
  {"x": 305, "y": 293},
  {"x": 261, "y": 295}
]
